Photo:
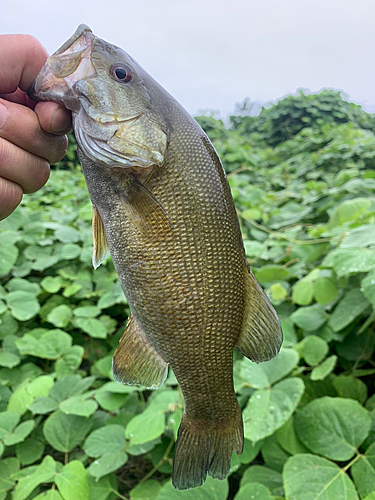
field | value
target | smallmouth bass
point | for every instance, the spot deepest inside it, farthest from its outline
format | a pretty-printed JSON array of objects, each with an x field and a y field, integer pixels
[{"x": 163, "y": 209}]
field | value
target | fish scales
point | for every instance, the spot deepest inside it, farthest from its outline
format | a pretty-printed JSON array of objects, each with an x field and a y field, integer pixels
[{"x": 163, "y": 208}]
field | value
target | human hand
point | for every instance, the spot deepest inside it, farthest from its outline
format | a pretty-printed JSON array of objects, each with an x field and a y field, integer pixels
[{"x": 31, "y": 135}]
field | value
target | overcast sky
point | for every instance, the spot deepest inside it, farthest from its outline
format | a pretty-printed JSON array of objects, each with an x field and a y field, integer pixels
[{"x": 210, "y": 54}]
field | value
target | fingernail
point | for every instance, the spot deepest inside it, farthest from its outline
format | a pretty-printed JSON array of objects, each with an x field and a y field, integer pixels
[
  {"x": 60, "y": 121},
  {"x": 3, "y": 114}
]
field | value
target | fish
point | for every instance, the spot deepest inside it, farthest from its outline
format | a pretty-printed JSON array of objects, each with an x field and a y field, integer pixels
[{"x": 163, "y": 210}]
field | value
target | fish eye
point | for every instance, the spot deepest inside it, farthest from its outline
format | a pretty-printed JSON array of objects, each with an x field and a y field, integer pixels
[{"x": 121, "y": 73}]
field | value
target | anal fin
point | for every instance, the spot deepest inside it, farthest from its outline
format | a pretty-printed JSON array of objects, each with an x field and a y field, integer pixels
[
  {"x": 135, "y": 361},
  {"x": 101, "y": 250},
  {"x": 261, "y": 337}
]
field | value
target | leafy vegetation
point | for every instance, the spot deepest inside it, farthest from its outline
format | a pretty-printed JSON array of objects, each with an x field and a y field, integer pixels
[{"x": 305, "y": 195}]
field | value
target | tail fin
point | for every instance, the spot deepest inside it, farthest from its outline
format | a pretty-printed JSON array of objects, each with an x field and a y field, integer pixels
[{"x": 203, "y": 449}]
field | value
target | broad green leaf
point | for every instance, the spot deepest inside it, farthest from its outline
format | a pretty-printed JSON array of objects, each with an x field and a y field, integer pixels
[
  {"x": 303, "y": 293},
  {"x": 49, "y": 345},
  {"x": 70, "y": 251},
  {"x": 288, "y": 439},
  {"x": 110, "y": 401},
  {"x": 51, "y": 284},
  {"x": 20, "y": 433},
  {"x": 313, "y": 349},
  {"x": 263, "y": 375},
  {"x": 363, "y": 472},
  {"x": 213, "y": 489},
  {"x": 250, "y": 451},
  {"x": 49, "y": 495},
  {"x": 325, "y": 291},
  {"x": 70, "y": 361},
  {"x": 78, "y": 405},
  {"x": 269, "y": 409},
  {"x": 309, "y": 477},
  {"x": 320, "y": 372},
  {"x": 92, "y": 326},
  {"x": 346, "y": 262},
  {"x": 333, "y": 427},
  {"x": 9, "y": 254},
  {"x": 352, "y": 305},
  {"x": 72, "y": 385},
  {"x": 273, "y": 455},
  {"x": 255, "y": 491},
  {"x": 8, "y": 467},
  {"x": 64, "y": 432},
  {"x": 60, "y": 316},
  {"x": 24, "y": 285},
  {"x": 368, "y": 288},
  {"x": 146, "y": 491},
  {"x": 107, "y": 463},
  {"x": 110, "y": 437},
  {"x": 29, "y": 451},
  {"x": 72, "y": 481},
  {"x": 359, "y": 237},
  {"x": 349, "y": 210},
  {"x": 86, "y": 311},
  {"x": 23, "y": 305},
  {"x": 44, "y": 473},
  {"x": 350, "y": 387},
  {"x": 9, "y": 360},
  {"x": 271, "y": 273},
  {"x": 43, "y": 405},
  {"x": 102, "y": 488},
  {"x": 271, "y": 479},
  {"x": 8, "y": 421},
  {"x": 145, "y": 427},
  {"x": 67, "y": 234},
  {"x": 309, "y": 318}
]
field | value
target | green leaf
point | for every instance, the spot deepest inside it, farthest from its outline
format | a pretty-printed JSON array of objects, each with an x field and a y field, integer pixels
[
  {"x": 29, "y": 451},
  {"x": 347, "y": 211},
  {"x": 60, "y": 316},
  {"x": 44, "y": 473},
  {"x": 107, "y": 463},
  {"x": 49, "y": 495},
  {"x": 9, "y": 254},
  {"x": 309, "y": 318},
  {"x": 346, "y": 262},
  {"x": 78, "y": 405},
  {"x": 263, "y": 375},
  {"x": 350, "y": 387},
  {"x": 313, "y": 349},
  {"x": 146, "y": 491},
  {"x": 271, "y": 273},
  {"x": 145, "y": 427},
  {"x": 51, "y": 284},
  {"x": 250, "y": 451},
  {"x": 271, "y": 479},
  {"x": 303, "y": 293},
  {"x": 255, "y": 491},
  {"x": 50, "y": 345},
  {"x": 43, "y": 405},
  {"x": 8, "y": 421},
  {"x": 273, "y": 455},
  {"x": 8, "y": 467},
  {"x": 288, "y": 439},
  {"x": 325, "y": 291},
  {"x": 110, "y": 401},
  {"x": 310, "y": 477},
  {"x": 65, "y": 432},
  {"x": 72, "y": 481},
  {"x": 333, "y": 427},
  {"x": 20, "y": 433},
  {"x": 92, "y": 326},
  {"x": 320, "y": 372},
  {"x": 70, "y": 251},
  {"x": 86, "y": 311},
  {"x": 213, "y": 489},
  {"x": 363, "y": 472},
  {"x": 23, "y": 305},
  {"x": 102, "y": 488},
  {"x": 352, "y": 305},
  {"x": 110, "y": 437},
  {"x": 9, "y": 359},
  {"x": 70, "y": 361},
  {"x": 269, "y": 409},
  {"x": 359, "y": 237},
  {"x": 72, "y": 385},
  {"x": 67, "y": 234}
]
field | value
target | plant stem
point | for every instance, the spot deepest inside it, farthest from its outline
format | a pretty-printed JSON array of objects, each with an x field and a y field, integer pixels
[{"x": 163, "y": 458}]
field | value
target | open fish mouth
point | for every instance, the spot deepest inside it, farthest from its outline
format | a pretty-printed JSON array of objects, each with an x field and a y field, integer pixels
[{"x": 69, "y": 64}]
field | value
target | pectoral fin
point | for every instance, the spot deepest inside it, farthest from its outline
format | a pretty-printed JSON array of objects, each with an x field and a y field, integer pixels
[
  {"x": 261, "y": 337},
  {"x": 145, "y": 211},
  {"x": 135, "y": 361},
  {"x": 101, "y": 250}
]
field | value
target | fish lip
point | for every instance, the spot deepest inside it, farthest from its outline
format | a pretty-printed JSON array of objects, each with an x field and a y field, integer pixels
[{"x": 56, "y": 80}]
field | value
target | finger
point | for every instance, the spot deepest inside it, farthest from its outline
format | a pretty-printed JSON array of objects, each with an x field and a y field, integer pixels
[
  {"x": 10, "y": 197},
  {"x": 23, "y": 168},
  {"x": 53, "y": 118},
  {"x": 20, "y": 125},
  {"x": 20, "y": 62}
]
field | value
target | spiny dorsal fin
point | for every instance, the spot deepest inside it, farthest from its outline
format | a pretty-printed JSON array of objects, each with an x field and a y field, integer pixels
[
  {"x": 261, "y": 337},
  {"x": 135, "y": 361},
  {"x": 101, "y": 250},
  {"x": 145, "y": 211}
]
